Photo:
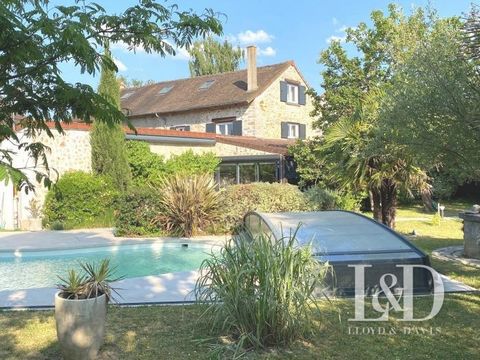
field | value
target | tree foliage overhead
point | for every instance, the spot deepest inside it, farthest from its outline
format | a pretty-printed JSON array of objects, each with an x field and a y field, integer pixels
[
  {"x": 352, "y": 152},
  {"x": 37, "y": 37},
  {"x": 109, "y": 155},
  {"x": 432, "y": 108},
  {"x": 210, "y": 56}
]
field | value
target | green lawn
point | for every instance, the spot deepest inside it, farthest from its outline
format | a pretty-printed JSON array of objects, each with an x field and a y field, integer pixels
[{"x": 173, "y": 332}]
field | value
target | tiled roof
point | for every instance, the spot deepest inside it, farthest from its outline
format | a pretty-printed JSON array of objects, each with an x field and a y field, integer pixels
[
  {"x": 275, "y": 146},
  {"x": 186, "y": 94},
  {"x": 140, "y": 131}
]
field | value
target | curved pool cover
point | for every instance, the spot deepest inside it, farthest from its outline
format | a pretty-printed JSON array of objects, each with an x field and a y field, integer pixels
[{"x": 346, "y": 239}]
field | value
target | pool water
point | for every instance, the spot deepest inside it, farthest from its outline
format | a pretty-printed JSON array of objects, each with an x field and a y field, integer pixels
[{"x": 41, "y": 268}]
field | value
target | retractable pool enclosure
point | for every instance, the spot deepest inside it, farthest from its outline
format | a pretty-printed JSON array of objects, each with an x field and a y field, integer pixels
[{"x": 346, "y": 239}]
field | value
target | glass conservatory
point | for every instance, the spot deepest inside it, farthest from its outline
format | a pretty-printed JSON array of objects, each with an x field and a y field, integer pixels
[{"x": 346, "y": 239}]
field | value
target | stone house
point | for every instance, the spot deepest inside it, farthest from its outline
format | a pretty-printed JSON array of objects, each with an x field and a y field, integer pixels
[
  {"x": 248, "y": 118},
  {"x": 257, "y": 112}
]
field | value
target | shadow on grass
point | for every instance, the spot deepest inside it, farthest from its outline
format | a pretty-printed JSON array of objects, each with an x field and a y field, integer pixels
[{"x": 28, "y": 335}]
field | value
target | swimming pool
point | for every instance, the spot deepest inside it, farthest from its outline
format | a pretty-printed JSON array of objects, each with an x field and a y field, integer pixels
[{"x": 35, "y": 269}]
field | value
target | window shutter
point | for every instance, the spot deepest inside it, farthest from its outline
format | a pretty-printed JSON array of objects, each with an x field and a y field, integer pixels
[
  {"x": 284, "y": 130},
  {"x": 237, "y": 128},
  {"x": 283, "y": 91},
  {"x": 301, "y": 95},
  {"x": 210, "y": 128},
  {"x": 302, "y": 132}
]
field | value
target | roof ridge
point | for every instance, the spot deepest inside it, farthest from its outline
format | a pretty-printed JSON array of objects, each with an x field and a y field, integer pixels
[{"x": 289, "y": 62}]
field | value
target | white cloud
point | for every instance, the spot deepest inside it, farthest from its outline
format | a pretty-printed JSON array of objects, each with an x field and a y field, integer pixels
[
  {"x": 333, "y": 38},
  {"x": 254, "y": 37},
  {"x": 334, "y": 21},
  {"x": 341, "y": 37},
  {"x": 120, "y": 65},
  {"x": 181, "y": 54},
  {"x": 268, "y": 51}
]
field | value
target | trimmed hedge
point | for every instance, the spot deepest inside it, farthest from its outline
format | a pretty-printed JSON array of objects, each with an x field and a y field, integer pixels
[
  {"x": 80, "y": 200},
  {"x": 237, "y": 200}
]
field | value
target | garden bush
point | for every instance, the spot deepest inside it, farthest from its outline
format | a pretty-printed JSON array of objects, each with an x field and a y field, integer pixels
[
  {"x": 189, "y": 163},
  {"x": 137, "y": 211},
  {"x": 236, "y": 200},
  {"x": 146, "y": 166},
  {"x": 325, "y": 199},
  {"x": 150, "y": 168},
  {"x": 80, "y": 200},
  {"x": 261, "y": 292}
]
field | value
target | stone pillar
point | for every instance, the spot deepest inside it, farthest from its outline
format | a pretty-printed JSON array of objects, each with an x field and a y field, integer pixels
[{"x": 471, "y": 234}]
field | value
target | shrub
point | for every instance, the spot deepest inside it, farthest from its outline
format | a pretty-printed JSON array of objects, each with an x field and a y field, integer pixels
[
  {"x": 261, "y": 291},
  {"x": 146, "y": 166},
  {"x": 80, "y": 200},
  {"x": 149, "y": 168},
  {"x": 136, "y": 212},
  {"x": 189, "y": 204},
  {"x": 190, "y": 163},
  {"x": 325, "y": 199},
  {"x": 237, "y": 200}
]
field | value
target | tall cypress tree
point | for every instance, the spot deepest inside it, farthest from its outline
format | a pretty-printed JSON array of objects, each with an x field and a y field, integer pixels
[{"x": 108, "y": 141}]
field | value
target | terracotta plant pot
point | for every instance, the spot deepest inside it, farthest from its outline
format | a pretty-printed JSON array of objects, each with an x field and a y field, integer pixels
[{"x": 80, "y": 326}]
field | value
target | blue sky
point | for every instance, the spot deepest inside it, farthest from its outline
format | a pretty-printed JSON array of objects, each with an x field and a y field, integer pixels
[{"x": 282, "y": 30}]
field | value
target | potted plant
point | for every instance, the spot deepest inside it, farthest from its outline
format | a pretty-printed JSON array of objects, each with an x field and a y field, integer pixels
[
  {"x": 34, "y": 223},
  {"x": 81, "y": 309}
]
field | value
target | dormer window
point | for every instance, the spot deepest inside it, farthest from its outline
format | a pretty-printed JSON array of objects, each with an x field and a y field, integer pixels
[
  {"x": 292, "y": 93},
  {"x": 165, "y": 90},
  {"x": 206, "y": 84}
]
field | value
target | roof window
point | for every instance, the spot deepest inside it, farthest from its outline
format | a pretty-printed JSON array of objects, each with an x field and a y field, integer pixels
[
  {"x": 165, "y": 89},
  {"x": 127, "y": 95}
]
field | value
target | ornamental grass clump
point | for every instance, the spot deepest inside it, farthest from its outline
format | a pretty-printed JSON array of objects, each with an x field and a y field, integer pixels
[
  {"x": 189, "y": 204},
  {"x": 261, "y": 292}
]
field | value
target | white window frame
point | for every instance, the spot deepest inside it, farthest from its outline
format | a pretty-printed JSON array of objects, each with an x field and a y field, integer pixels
[
  {"x": 293, "y": 130},
  {"x": 292, "y": 93},
  {"x": 224, "y": 128}
]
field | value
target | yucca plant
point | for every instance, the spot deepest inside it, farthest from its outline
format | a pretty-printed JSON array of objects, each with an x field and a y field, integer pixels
[
  {"x": 190, "y": 203},
  {"x": 95, "y": 281},
  {"x": 73, "y": 286},
  {"x": 99, "y": 277},
  {"x": 261, "y": 291}
]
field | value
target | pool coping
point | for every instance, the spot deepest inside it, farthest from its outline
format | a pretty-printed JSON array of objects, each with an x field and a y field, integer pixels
[{"x": 25, "y": 241}]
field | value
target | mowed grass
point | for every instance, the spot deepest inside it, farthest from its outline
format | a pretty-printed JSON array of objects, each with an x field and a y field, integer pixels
[{"x": 178, "y": 332}]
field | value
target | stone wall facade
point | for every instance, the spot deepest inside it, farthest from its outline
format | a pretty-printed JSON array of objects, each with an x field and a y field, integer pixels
[
  {"x": 67, "y": 152},
  {"x": 271, "y": 112},
  {"x": 219, "y": 149},
  {"x": 261, "y": 118}
]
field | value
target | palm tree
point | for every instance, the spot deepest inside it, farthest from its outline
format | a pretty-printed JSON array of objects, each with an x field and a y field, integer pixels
[{"x": 358, "y": 159}]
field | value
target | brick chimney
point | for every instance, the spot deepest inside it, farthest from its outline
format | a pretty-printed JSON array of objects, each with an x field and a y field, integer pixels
[{"x": 252, "y": 68}]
